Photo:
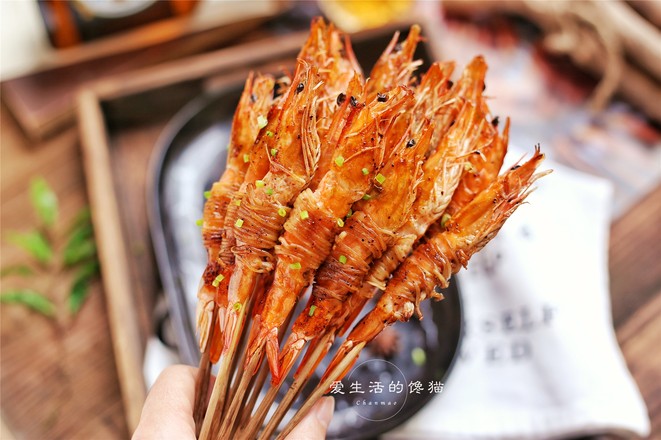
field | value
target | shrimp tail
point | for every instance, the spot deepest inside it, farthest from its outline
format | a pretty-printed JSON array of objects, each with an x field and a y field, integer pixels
[{"x": 289, "y": 354}]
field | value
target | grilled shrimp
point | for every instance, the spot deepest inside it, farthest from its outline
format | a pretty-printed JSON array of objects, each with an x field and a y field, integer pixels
[
  {"x": 265, "y": 205},
  {"x": 317, "y": 216},
  {"x": 338, "y": 71},
  {"x": 434, "y": 195},
  {"x": 255, "y": 100},
  {"x": 395, "y": 66},
  {"x": 481, "y": 168},
  {"x": 443, "y": 254},
  {"x": 367, "y": 233},
  {"x": 441, "y": 174}
]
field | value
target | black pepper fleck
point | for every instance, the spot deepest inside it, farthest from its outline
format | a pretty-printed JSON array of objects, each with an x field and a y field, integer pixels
[
  {"x": 410, "y": 143},
  {"x": 253, "y": 98},
  {"x": 495, "y": 121},
  {"x": 515, "y": 167},
  {"x": 300, "y": 87},
  {"x": 341, "y": 98},
  {"x": 382, "y": 97},
  {"x": 354, "y": 101}
]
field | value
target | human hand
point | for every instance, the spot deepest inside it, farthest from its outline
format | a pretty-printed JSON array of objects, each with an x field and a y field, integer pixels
[{"x": 168, "y": 410}]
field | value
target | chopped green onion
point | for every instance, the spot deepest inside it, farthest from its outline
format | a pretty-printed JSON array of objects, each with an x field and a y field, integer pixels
[
  {"x": 237, "y": 202},
  {"x": 367, "y": 197},
  {"x": 282, "y": 212},
  {"x": 418, "y": 356},
  {"x": 312, "y": 309},
  {"x": 350, "y": 213},
  {"x": 365, "y": 171},
  {"x": 269, "y": 191},
  {"x": 262, "y": 121},
  {"x": 199, "y": 222},
  {"x": 468, "y": 167},
  {"x": 339, "y": 160},
  {"x": 259, "y": 183},
  {"x": 340, "y": 222},
  {"x": 238, "y": 223},
  {"x": 269, "y": 133},
  {"x": 217, "y": 280},
  {"x": 274, "y": 152},
  {"x": 342, "y": 259},
  {"x": 207, "y": 194},
  {"x": 304, "y": 215},
  {"x": 296, "y": 265},
  {"x": 246, "y": 158},
  {"x": 236, "y": 307},
  {"x": 380, "y": 178},
  {"x": 444, "y": 219}
]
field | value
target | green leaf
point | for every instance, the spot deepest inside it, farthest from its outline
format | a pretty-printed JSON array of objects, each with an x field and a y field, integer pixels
[
  {"x": 44, "y": 201},
  {"x": 19, "y": 269},
  {"x": 80, "y": 246},
  {"x": 84, "y": 217},
  {"x": 34, "y": 243},
  {"x": 29, "y": 298},
  {"x": 80, "y": 286}
]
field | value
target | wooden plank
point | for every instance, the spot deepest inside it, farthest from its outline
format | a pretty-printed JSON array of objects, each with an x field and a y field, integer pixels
[
  {"x": 639, "y": 339},
  {"x": 112, "y": 255},
  {"x": 54, "y": 372},
  {"x": 635, "y": 252}
]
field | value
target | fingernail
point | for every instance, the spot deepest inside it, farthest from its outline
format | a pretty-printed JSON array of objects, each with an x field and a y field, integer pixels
[{"x": 324, "y": 410}]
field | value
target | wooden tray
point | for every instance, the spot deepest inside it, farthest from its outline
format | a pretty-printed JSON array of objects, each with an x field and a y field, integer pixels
[{"x": 120, "y": 121}]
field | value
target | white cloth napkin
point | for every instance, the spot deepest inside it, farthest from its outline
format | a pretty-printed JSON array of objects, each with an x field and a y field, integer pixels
[{"x": 539, "y": 358}]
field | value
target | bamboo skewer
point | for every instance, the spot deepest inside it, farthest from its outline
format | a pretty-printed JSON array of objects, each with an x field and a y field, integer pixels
[
  {"x": 303, "y": 376},
  {"x": 320, "y": 390},
  {"x": 202, "y": 380},
  {"x": 212, "y": 421}
]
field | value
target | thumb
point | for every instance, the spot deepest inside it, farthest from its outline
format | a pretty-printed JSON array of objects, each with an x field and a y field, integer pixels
[{"x": 314, "y": 425}]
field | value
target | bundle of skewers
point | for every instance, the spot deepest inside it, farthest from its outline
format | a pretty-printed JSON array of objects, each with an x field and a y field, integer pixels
[{"x": 355, "y": 186}]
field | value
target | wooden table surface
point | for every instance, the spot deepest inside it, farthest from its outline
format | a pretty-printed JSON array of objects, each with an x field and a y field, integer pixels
[{"x": 58, "y": 377}]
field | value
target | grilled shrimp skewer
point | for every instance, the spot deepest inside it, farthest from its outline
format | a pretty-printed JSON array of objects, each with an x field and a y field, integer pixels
[
  {"x": 255, "y": 100},
  {"x": 316, "y": 219},
  {"x": 394, "y": 67},
  {"x": 367, "y": 233},
  {"x": 293, "y": 160},
  {"x": 317, "y": 216},
  {"x": 432, "y": 263},
  {"x": 435, "y": 194},
  {"x": 429, "y": 103}
]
